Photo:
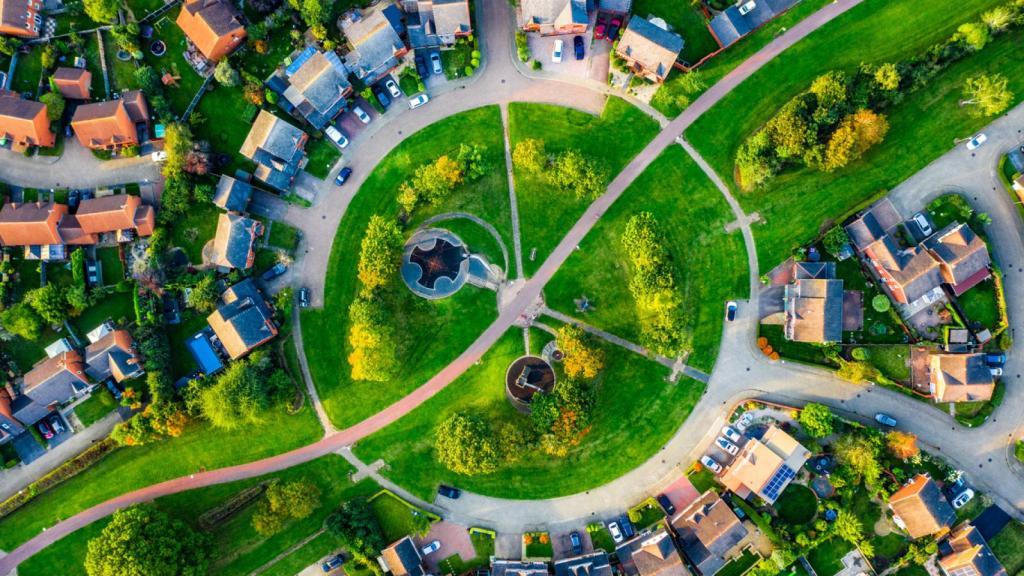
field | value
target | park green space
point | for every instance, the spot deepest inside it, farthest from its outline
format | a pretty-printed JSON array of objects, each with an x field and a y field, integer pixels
[
  {"x": 635, "y": 413},
  {"x": 798, "y": 203},
  {"x": 611, "y": 140},
  {"x": 431, "y": 333},
  {"x": 710, "y": 265}
]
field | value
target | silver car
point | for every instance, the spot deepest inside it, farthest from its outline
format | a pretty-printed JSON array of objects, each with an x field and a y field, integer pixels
[{"x": 361, "y": 114}]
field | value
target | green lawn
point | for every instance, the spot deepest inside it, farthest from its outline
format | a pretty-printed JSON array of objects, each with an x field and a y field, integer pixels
[
  {"x": 879, "y": 327},
  {"x": 739, "y": 565},
  {"x": 1008, "y": 546},
  {"x": 225, "y": 137},
  {"x": 322, "y": 154},
  {"x": 602, "y": 540},
  {"x": 173, "y": 62},
  {"x": 632, "y": 395},
  {"x": 922, "y": 127},
  {"x": 95, "y": 407},
  {"x": 117, "y": 307},
  {"x": 703, "y": 480},
  {"x": 313, "y": 551},
  {"x": 686, "y": 19},
  {"x": 455, "y": 321},
  {"x": 797, "y": 505},
  {"x": 789, "y": 349},
  {"x": 283, "y": 236},
  {"x": 394, "y": 515},
  {"x": 979, "y": 304},
  {"x": 455, "y": 564},
  {"x": 892, "y": 360},
  {"x": 92, "y": 63},
  {"x": 110, "y": 262},
  {"x": 26, "y": 74},
  {"x": 197, "y": 228},
  {"x": 177, "y": 334},
  {"x": 710, "y": 264},
  {"x": 122, "y": 73},
  {"x": 140, "y": 8},
  {"x": 611, "y": 140},
  {"x": 891, "y": 546},
  {"x": 826, "y": 558}
]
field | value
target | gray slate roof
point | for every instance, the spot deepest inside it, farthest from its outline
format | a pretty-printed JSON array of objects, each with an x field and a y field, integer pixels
[
  {"x": 729, "y": 25},
  {"x": 232, "y": 195},
  {"x": 235, "y": 241},
  {"x": 276, "y": 147},
  {"x": 593, "y": 564},
  {"x": 318, "y": 88},
  {"x": 373, "y": 41}
]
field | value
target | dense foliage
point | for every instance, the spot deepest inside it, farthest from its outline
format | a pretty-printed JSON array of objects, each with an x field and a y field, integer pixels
[
  {"x": 143, "y": 541},
  {"x": 283, "y": 502},
  {"x": 581, "y": 359},
  {"x": 816, "y": 420},
  {"x": 465, "y": 444},
  {"x": 433, "y": 182},
  {"x": 653, "y": 285},
  {"x": 379, "y": 254},
  {"x": 242, "y": 393},
  {"x": 356, "y": 525}
]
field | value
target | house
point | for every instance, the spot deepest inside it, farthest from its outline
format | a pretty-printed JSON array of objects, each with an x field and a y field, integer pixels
[
  {"x": 73, "y": 83},
  {"x": 652, "y": 554},
  {"x": 231, "y": 194},
  {"x": 9, "y": 425},
  {"x": 435, "y": 23},
  {"x": 121, "y": 214},
  {"x": 766, "y": 466},
  {"x": 813, "y": 304},
  {"x": 403, "y": 558},
  {"x": 619, "y": 7},
  {"x": 316, "y": 86},
  {"x": 965, "y": 553},
  {"x": 277, "y": 148},
  {"x": 375, "y": 47},
  {"x": 744, "y": 17},
  {"x": 21, "y": 18},
  {"x": 213, "y": 26},
  {"x": 960, "y": 378},
  {"x": 962, "y": 256},
  {"x": 879, "y": 220},
  {"x": 594, "y": 564},
  {"x": 23, "y": 123},
  {"x": 34, "y": 225},
  {"x": 550, "y": 17},
  {"x": 518, "y": 568},
  {"x": 920, "y": 508},
  {"x": 243, "y": 320},
  {"x": 909, "y": 274},
  {"x": 234, "y": 246},
  {"x": 114, "y": 124},
  {"x": 113, "y": 356},
  {"x": 709, "y": 532},
  {"x": 55, "y": 380},
  {"x": 648, "y": 49}
]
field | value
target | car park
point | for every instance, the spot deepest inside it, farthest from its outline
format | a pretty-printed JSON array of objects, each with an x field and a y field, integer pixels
[
  {"x": 613, "y": 528},
  {"x": 418, "y": 100},
  {"x": 382, "y": 97},
  {"x": 727, "y": 446},
  {"x": 730, "y": 433},
  {"x": 332, "y": 563},
  {"x": 922, "y": 222},
  {"x": 997, "y": 359},
  {"x": 576, "y": 542},
  {"x": 274, "y": 272},
  {"x": 730, "y": 310},
  {"x": 710, "y": 464},
  {"x": 44, "y": 428},
  {"x": 613, "y": 30},
  {"x": 449, "y": 491},
  {"x": 963, "y": 498},
  {"x": 435, "y": 63},
  {"x": 392, "y": 88},
  {"x": 361, "y": 114},
  {"x": 885, "y": 420},
  {"x": 977, "y": 141},
  {"x": 556, "y": 54},
  {"x": 343, "y": 176},
  {"x": 997, "y": 371},
  {"x": 304, "y": 298},
  {"x": 337, "y": 136},
  {"x": 666, "y": 504},
  {"x": 577, "y": 45},
  {"x": 431, "y": 548}
]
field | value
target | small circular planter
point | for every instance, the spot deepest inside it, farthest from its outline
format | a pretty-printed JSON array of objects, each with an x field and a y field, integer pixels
[
  {"x": 158, "y": 48},
  {"x": 123, "y": 55}
]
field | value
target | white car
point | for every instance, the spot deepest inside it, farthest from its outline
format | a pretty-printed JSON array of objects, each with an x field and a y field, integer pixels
[
  {"x": 996, "y": 371},
  {"x": 922, "y": 222},
  {"x": 159, "y": 156},
  {"x": 744, "y": 422},
  {"x": 431, "y": 548},
  {"x": 361, "y": 114},
  {"x": 727, "y": 446},
  {"x": 417, "y": 101},
  {"x": 710, "y": 464},
  {"x": 435, "y": 63},
  {"x": 976, "y": 142},
  {"x": 616, "y": 533},
  {"x": 731, "y": 434},
  {"x": 336, "y": 135},
  {"x": 963, "y": 498},
  {"x": 393, "y": 88},
  {"x": 556, "y": 54}
]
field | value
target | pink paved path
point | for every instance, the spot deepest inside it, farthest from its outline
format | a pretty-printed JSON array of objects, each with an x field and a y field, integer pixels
[{"x": 527, "y": 295}]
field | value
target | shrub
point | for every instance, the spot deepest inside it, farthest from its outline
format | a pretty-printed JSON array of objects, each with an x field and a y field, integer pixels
[
  {"x": 76, "y": 465},
  {"x": 859, "y": 354},
  {"x": 880, "y": 303}
]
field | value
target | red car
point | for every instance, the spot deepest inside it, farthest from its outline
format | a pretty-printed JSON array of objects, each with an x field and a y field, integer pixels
[
  {"x": 44, "y": 428},
  {"x": 599, "y": 31}
]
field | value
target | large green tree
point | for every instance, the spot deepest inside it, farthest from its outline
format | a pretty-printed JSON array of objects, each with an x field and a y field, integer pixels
[
  {"x": 242, "y": 393},
  {"x": 283, "y": 502},
  {"x": 530, "y": 155},
  {"x": 860, "y": 455},
  {"x": 143, "y": 541},
  {"x": 374, "y": 355},
  {"x": 816, "y": 420},
  {"x": 49, "y": 302},
  {"x": 356, "y": 525},
  {"x": 177, "y": 145},
  {"x": 203, "y": 295},
  {"x": 379, "y": 254},
  {"x": 54, "y": 105},
  {"x": 465, "y": 445},
  {"x": 987, "y": 94},
  {"x": 581, "y": 357},
  {"x": 21, "y": 320},
  {"x": 101, "y": 11}
]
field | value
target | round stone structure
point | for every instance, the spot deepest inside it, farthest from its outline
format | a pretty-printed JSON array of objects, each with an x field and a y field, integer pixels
[
  {"x": 435, "y": 263},
  {"x": 525, "y": 377}
]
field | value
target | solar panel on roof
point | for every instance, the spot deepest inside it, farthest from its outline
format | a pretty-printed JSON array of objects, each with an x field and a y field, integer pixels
[{"x": 781, "y": 477}]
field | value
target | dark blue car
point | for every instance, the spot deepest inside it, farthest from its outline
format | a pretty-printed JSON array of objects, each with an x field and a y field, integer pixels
[
  {"x": 343, "y": 176},
  {"x": 577, "y": 44},
  {"x": 274, "y": 272}
]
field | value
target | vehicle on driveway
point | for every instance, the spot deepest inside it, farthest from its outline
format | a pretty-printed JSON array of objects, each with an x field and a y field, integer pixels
[
  {"x": 885, "y": 420},
  {"x": 997, "y": 359},
  {"x": 361, "y": 114},
  {"x": 418, "y": 100},
  {"x": 600, "y": 29},
  {"x": 963, "y": 498},
  {"x": 435, "y": 63},
  {"x": 613, "y": 527},
  {"x": 159, "y": 156},
  {"x": 44, "y": 429},
  {"x": 114, "y": 390},
  {"x": 343, "y": 176},
  {"x": 332, "y": 563},
  {"x": 274, "y": 272},
  {"x": 997, "y": 371},
  {"x": 421, "y": 65},
  {"x": 392, "y": 88},
  {"x": 922, "y": 222},
  {"x": 556, "y": 54},
  {"x": 710, "y": 464},
  {"x": 304, "y": 298},
  {"x": 576, "y": 542},
  {"x": 627, "y": 526},
  {"x": 431, "y": 548},
  {"x": 337, "y": 136},
  {"x": 976, "y": 142},
  {"x": 382, "y": 97},
  {"x": 730, "y": 310},
  {"x": 613, "y": 30},
  {"x": 670, "y": 509},
  {"x": 58, "y": 427},
  {"x": 731, "y": 434},
  {"x": 449, "y": 491},
  {"x": 577, "y": 45},
  {"x": 744, "y": 422},
  {"x": 727, "y": 446}
]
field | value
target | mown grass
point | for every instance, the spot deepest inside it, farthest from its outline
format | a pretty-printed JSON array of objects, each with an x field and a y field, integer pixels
[
  {"x": 685, "y": 19},
  {"x": 95, "y": 407},
  {"x": 1008, "y": 546}
]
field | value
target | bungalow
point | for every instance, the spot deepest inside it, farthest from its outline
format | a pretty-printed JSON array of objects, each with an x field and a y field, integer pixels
[
  {"x": 114, "y": 124},
  {"x": 73, "y": 83},
  {"x": 277, "y": 148},
  {"x": 550, "y": 17},
  {"x": 709, "y": 533},
  {"x": 21, "y": 18},
  {"x": 375, "y": 47},
  {"x": 649, "y": 49},
  {"x": 766, "y": 466},
  {"x": 594, "y": 564},
  {"x": 965, "y": 553},
  {"x": 962, "y": 257},
  {"x": 234, "y": 246},
  {"x": 435, "y": 23},
  {"x": 920, "y": 508},
  {"x": 113, "y": 356},
  {"x": 814, "y": 304},
  {"x": 960, "y": 378},
  {"x": 316, "y": 86},
  {"x": 244, "y": 320},
  {"x": 213, "y": 26},
  {"x": 403, "y": 558},
  {"x": 23, "y": 123},
  {"x": 232, "y": 195},
  {"x": 518, "y": 568},
  {"x": 745, "y": 16},
  {"x": 651, "y": 555}
]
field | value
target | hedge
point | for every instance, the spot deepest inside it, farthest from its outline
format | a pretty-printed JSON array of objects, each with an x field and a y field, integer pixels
[{"x": 71, "y": 468}]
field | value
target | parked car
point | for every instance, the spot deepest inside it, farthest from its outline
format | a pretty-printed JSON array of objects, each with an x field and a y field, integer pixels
[
  {"x": 382, "y": 97},
  {"x": 997, "y": 359},
  {"x": 337, "y": 136},
  {"x": 418, "y": 100},
  {"x": 576, "y": 542},
  {"x": 710, "y": 464},
  {"x": 996, "y": 371},
  {"x": 670, "y": 509},
  {"x": 744, "y": 422},
  {"x": 613, "y": 30},
  {"x": 727, "y": 446},
  {"x": 431, "y": 548},
  {"x": 44, "y": 429},
  {"x": 613, "y": 527},
  {"x": 332, "y": 563},
  {"x": 600, "y": 30},
  {"x": 274, "y": 272},
  {"x": 392, "y": 88},
  {"x": 977, "y": 141},
  {"x": 577, "y": 45},
  {"x": 627, "y": 526},
  {"x": 159, "y": 156},
  {"x": 114, "y": 390},
  {"x": 922, "y": 222},
  {"x": 58, "y": 427},
  {"x": 304, "y": 298},
  {"x": 88, "y": 194},
  {"x": 361, "y": 114},
  {"x": 730, "y": 433},
  {"x": 435, "y": 63},
  {"x": 343, "y": 176},
  {"x": 421, "y": 65},
  {"x": 74, "y": 198},
  {"x": 963, "y": 498},
  {"x": 730, "y": 310},
  {"x": 885, "y": 420},
  {"x": 556, "y": 54},
  {"x": 449, "y": 491}
]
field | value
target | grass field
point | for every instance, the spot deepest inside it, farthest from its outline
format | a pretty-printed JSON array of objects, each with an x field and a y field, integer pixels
[
  {"x": 173, "y": 62},
  {"x": 395, "y": 517},
  {"x": 922, "y": 127},
  {"x": 113, "y": 270},
  {"x": 611, "y": 140},
  {"x": 27, "y": 72},
  {"x": 455, "y": 321},
  {"x": 826, "y": 558},
  {"x": 96, "y": 407},
  {"x": 710, "y": 264},
  {"x": 632, "y": 395},
  {"x": 283, "y": 236},
  {"x": 197, "y": 228}
]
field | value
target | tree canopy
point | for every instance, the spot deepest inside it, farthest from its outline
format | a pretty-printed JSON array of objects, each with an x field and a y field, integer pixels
[
  {"x": 987, "y": 94},
  {"x": 21, "y": 320},
  {"x": 816, "y": 420},
  {"x": 465, "y": 445},
  {"x": 860, "y": 455},
  {"x": 379, "y": 254},
  {"x": 240, "y": 394},
  {"x": 144, "y": 541},
  {"x": 581, "y": 358},
  {"x": 283, "y": 502},
  {"x": 101, "y": 11},
  {"x": 359, "y": 530}
]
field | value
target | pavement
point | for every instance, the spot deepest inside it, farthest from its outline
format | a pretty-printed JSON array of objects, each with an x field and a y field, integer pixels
[{"x": 76, "y": 168}]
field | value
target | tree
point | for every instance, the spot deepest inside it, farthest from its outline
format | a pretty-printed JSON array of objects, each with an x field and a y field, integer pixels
[
  {"x": 903, "y": 445},
  {"x": 581, "y": 357},
  {"x": 816, "y": 420},
  {"x": 465, "y": 445},
  {"x": 203, "y": 295},
  {"x": 356, "y": 525},
  {"x": 988, "y": 94},
  {"x": 177, "y": 145},
  {"x": 860, "y": 455},
  {"x": 998, "y": 19},
  {"x": 471, "y": 157},
  {"x": 240, "y": 394},
  {"x": 101, "y": 11},
  {"x": 54, "y": 105},
  {"x": 974, "y": 34},
  {"x": 21, "y": 320},
  {"x": 8, "y": 45},
  {"x": 789, "y": 131},
  {"x": 830, "y": 91},
  {"x": 572, "y": 172},
  {"x": 529, "y": 155},
  {"x": 857, "y": 133},
  {"x": 835, "y": 240},
  {"x": 283, "y": 502},
  {"x": 379, "y": 254},
  {"x": 312, "y": 11},
  {"x": 143, "y": 541},
  {"x": 887, "y": 77},
  {"x": 848, "y": 527},
  {"x": 49, "y": 302},
  {"x": 48, "y": 57},
  {"x": 77, "y": 299},
  {"x": 374, "y": 354},
  {"x": 755, "y": 161},
  {"x": 880, "y": 303},
  {"x": 225, "y": 74}
]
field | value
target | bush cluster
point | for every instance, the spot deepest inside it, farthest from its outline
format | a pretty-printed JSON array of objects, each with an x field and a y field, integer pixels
[
  {"x": 653, "y": 285},
  {"x": 76, "y": 465}
]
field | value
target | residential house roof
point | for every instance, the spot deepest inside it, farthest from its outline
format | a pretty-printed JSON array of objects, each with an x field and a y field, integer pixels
[
  {"x": 920, "y": 507},
  {"x": 652, "y": 47},
  {"x": 55, "y": 379},
  {"x": 17, "y": 17},
  {"x": 115, "y": 213},
  {"x": 656, "y": 555},
  {"x": 74, "y": 83},
  {"x": 111, "y": 123},
  {"x": 962, "y": 255},
  {"x": 234, "y": 246},
  {"x": 729, "y": 25},
  {"x": 518, "y": 568},
  {"x": 113, "y": 356},
  {"x": 879, "y": 220},
  {"x": 969, "y": 554},
  {"x": 593, "y": 564},
  {"x": 244, "y": 320},
  {"x": 814, "y": 270},
  {"x": 438, "y": 22},
  {"x": 276, "y": 147},
  {"x": 707, "y": 531},
  {"x": 617, "y": 6},
  {"x": 71, "y": 232},
  {"x": 8, "y": 423},
  {"x": 28, "y": 412},
  {"x": 33, "y": 224},
  {"x": 232, "y": 195},
  {"x": 913, "y": 270},
  {"x": 814, "y": 310},
  {"x": 766, "y": 466},
  {"x": 24, "y": 122},
  {"x": 555, "y": 13},
  {"x": 960, "y": 378},
  {"x": 318, "y": 88},
  {"x": 403, "y": 558},
  {"x": 211, "y": 25},
  {"x": 373, "y": 41}
]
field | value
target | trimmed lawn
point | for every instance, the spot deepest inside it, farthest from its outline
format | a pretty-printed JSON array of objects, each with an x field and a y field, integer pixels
[
  {"x": 322, "y": 154},
  {"x": 28, "y": 71},
  {"x": 311, "y": 552},
  {"x": 118, "y": 307},
  {"x": 420, "y": 324},
  {"x": 891, "y": 546},
  {"x": 283, "y": 236},
  {"x": 122, "y": 73},
  {"x": 113, "y": 270},
  {"x": 395, "y": 517},
  {"x": 68, "y": 554},
  {"x": 879, "y": 327},
  {"x": 922, "y": 127},
  {"x": 979, "y": 304},
  {"x": 686, "y": 19},
  {"x": 1008, "y": 546},
  {"x": 800, "y": 351},
  {"x": 197, "y": 228},
  {"x": 891, "y": 360},
  {"x": 632, "y": 395},
  {"x": 611, "y": 140},
  {"x": 797, "y": 505},
  {"x": 454, "y": 564},
  {"x": 126, "y": 469},
  {"x": 826, "y": 558},
  {"x": 710, "y": 264},
  {"x": 739, "y": 565},
  {"x": 140, "y": 8},
  {"x": 95, "y": 407},
  {"x": 703, "y": 480},
  {"x": 225, "y": 137},
  {"x": 173, "y": 61}
]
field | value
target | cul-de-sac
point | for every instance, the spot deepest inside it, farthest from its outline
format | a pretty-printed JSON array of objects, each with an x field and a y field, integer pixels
[{"x": 511, "y": 287}]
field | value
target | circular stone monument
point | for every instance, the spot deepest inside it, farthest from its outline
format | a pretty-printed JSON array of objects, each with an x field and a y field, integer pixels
[
  {"x": 435, "y": 263},
  {"x": 525, "y": 377}
]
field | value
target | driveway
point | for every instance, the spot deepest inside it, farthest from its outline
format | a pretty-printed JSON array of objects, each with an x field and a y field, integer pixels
[{"x": 454, "y": 539}]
